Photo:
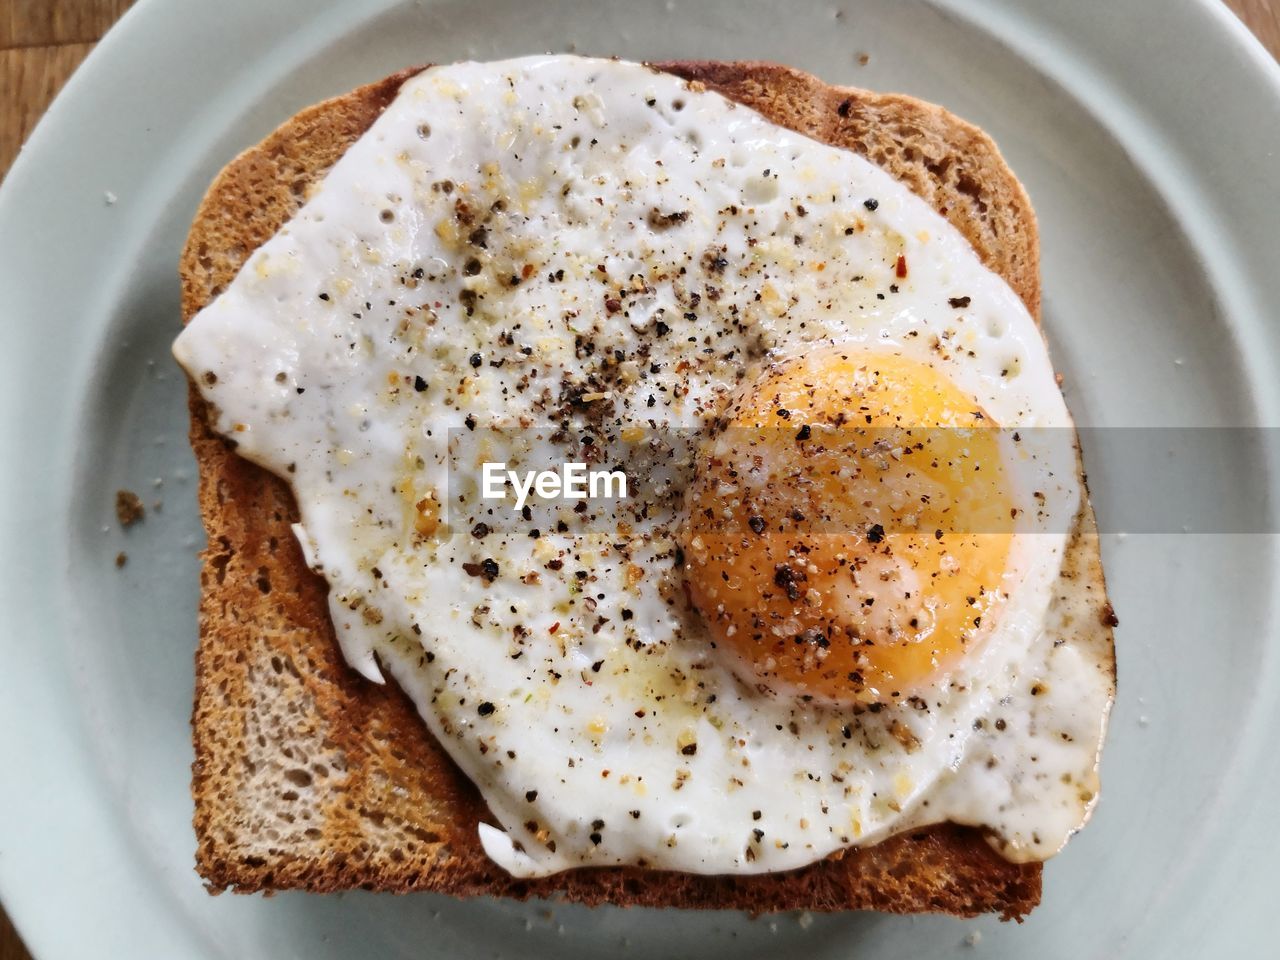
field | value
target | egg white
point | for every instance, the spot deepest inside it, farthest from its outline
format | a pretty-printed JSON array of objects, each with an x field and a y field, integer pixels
[{"x": 571, "y": 684}]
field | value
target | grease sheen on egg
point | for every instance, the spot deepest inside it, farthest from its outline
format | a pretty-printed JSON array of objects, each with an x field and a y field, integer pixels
[{"x": 534, "y": 254}]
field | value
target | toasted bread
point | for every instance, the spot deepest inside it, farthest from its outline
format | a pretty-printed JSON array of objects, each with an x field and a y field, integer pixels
[{"x": 307, "y": 776}]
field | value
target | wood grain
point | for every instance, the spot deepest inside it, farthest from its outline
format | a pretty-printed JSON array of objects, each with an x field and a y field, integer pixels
[
  {"x": 10, "y": 946},
  {"x": 30, "y": 77},
  {"x": 1263, "y": 18},
  {"x": 43, "y": 23},
  {"x": 43, "y": 41}
]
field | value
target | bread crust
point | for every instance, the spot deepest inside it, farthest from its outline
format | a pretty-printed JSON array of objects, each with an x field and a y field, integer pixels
[{"x": 307, "y": 776}]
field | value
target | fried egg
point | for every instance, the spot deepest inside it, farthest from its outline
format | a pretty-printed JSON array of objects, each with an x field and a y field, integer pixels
[{"x": 830, "y": 608}]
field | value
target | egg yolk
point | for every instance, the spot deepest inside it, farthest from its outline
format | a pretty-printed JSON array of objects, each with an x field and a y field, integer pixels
[{"x": 848, "y": 527}]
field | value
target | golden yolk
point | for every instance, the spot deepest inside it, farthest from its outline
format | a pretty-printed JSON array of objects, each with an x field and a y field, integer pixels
[{"x": 849, "y": 527}]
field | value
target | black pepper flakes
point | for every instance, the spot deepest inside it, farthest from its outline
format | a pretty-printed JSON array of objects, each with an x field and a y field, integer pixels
[
  {"x": 789, "y": 579},
  {"x": 659, "y": 220},
  {"x": 419, "y": 384},
  {"x": 958, "y": 302},
  {"x": 487, "y": 568},
  {"x": 486, "y": 709},
  {"x": 814, "y": 638},
  {"x": 875, "y": 533},
  {"x": 871, "y": 203}
]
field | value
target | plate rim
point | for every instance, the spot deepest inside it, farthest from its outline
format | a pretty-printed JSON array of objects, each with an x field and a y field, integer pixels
[{"x": 1227, "y": 36}]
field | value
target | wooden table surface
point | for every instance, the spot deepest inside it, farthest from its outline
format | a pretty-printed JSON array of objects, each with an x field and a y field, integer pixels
[{"x": 43, "y": 41}]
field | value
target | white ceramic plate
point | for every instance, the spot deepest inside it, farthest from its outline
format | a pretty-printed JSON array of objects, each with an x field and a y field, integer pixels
[{"x": 1149, "y": 139}]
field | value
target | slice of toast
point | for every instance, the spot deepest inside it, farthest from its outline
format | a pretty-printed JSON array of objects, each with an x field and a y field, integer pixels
[{"x": 308, "y": 776}]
